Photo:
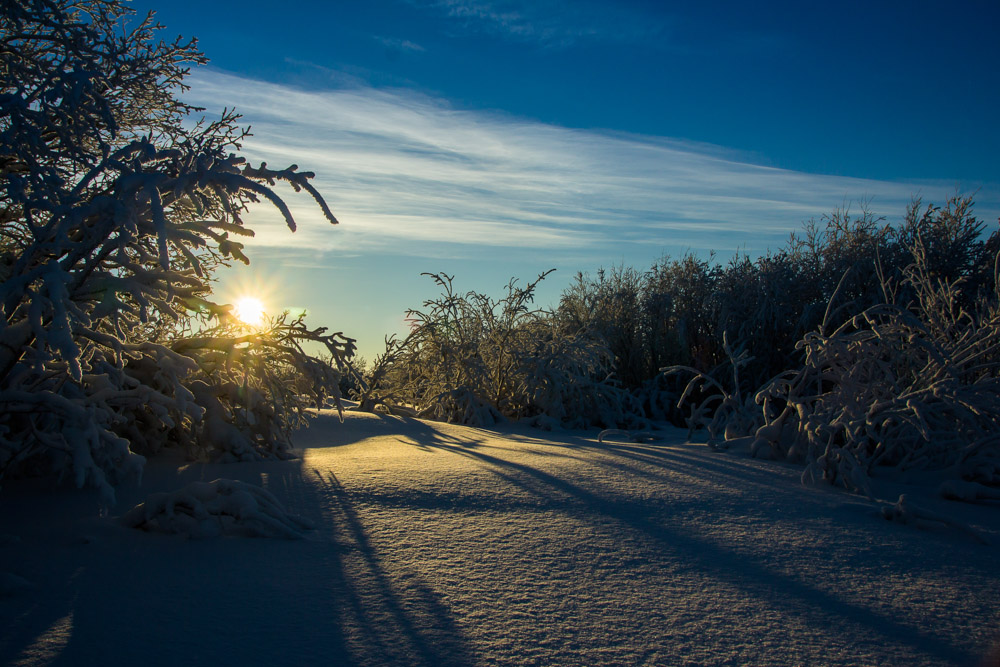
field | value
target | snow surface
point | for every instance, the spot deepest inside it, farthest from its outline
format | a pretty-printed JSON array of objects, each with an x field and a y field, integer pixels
[{"x": 446, "y": 545}]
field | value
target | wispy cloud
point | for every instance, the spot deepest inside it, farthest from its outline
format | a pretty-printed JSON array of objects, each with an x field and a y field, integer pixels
[
  {"x": 397, "y": 44},
  {"x": 560, "y": 24},
  {"x": 552, "y": 23},
  {"x": 411, "y": 175}
]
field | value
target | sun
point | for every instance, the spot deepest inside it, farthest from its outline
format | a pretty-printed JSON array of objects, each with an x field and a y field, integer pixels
[{"x": 250, "y": 311}]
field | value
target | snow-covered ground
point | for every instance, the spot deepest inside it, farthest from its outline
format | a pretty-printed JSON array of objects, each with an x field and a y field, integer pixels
[{"x": 445, "y": 545}]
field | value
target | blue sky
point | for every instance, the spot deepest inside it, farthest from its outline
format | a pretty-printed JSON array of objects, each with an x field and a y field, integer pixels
[{"x": 497, "y": 139}]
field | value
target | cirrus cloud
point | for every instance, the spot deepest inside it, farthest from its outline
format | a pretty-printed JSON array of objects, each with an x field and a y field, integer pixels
[{"x": 411, "y": 174}]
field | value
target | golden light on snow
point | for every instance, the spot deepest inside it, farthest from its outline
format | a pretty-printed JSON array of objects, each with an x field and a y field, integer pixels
[{"x": 250, "y": 311}]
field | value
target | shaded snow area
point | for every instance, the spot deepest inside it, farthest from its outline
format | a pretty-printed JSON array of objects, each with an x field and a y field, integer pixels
[{"x": 434, "y": 544}]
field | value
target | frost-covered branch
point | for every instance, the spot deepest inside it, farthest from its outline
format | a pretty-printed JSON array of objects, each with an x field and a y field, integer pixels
[{"x": 115, "y": 213}]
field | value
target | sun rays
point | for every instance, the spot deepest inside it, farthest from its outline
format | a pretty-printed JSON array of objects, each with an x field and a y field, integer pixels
[{"x": 250, "y": 311}]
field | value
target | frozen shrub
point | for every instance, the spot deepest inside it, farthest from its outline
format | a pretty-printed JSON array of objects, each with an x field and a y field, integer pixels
[
  {"x": 691, "y": 313},
  {"x": 473, "y": 359},
  {"x": 764, "y": 306},
  {"x": 372, "y": 385},
  {"x": 255, "y": 385},
  {"x": 114, "y": 212},
  {"x": 610, "y": 307},
  {"x": 677, "y": 314},
  {"x": 718, "y": 405},
  {"x": 910, "y": 384},
  {"x": 950, "y": 241},
  {"x": 442, "y": 371},
  {"x": 564, "y": 376}
]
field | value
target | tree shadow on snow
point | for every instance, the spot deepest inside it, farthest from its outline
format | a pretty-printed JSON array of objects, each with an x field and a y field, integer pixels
[
  {"x": 105, "y": 594},
  {"x": 824, "y": 611},
  {"x": 396, "y": 617}
]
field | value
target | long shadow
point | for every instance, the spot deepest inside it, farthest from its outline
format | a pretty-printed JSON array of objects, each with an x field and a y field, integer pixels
[
  {"x": 422, "y": 434},
  {"x": 105, "y": 594},
  {"x": 658, "y": 454},
  {"x": 733, "y": 471},
  {"x": 394, "y": 634},
  {"x": 738, "y": 472},
  {"x": 668, "y": 462},
  {"x": 671, "y": 458},
  {"x": 123, "y": 597},
  {"x": 823, "y": 609}
]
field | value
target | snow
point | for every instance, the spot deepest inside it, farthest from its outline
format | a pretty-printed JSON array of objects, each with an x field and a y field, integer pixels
[{"x": 437, "y": 544}]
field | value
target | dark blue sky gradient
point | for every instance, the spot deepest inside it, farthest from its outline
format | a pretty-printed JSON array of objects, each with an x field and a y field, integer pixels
[{"x": 885, "y": 90}]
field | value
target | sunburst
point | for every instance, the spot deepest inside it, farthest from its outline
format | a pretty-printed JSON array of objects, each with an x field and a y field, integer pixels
[{"x": 250, "y": 311}]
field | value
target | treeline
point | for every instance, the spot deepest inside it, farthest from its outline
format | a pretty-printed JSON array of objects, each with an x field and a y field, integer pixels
[
  {"x": 617, "y": 330},
  {"x": 852, "y": 338},
  {"x": 683, "y": 311}
]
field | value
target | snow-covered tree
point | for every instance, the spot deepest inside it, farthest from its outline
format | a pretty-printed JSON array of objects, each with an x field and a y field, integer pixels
[
  {"x": 910, "y": 385},
  {"x": 115, "y": 210},
  {"x": 474, "y": 359}
]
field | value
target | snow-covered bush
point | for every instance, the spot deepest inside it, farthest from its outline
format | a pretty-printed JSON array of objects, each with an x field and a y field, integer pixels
[
  {"x": 115, "y": 210},
  {"x": 255, "y": 385},
  {"x": 718, "y": 406},
  {"x": 473, "y": 359},
  {"x": 610, "y": 305},
  {"x": 910, "y": 384},
  {"x": 220, "y": 507},
  {"x": 678, "y": 323},
  {"x": 372, "y": 385},
  {"x": 690, "y": 312}
]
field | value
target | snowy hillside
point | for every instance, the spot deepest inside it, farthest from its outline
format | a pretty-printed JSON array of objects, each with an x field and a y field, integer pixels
[{"x": 447, "y": 545}]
